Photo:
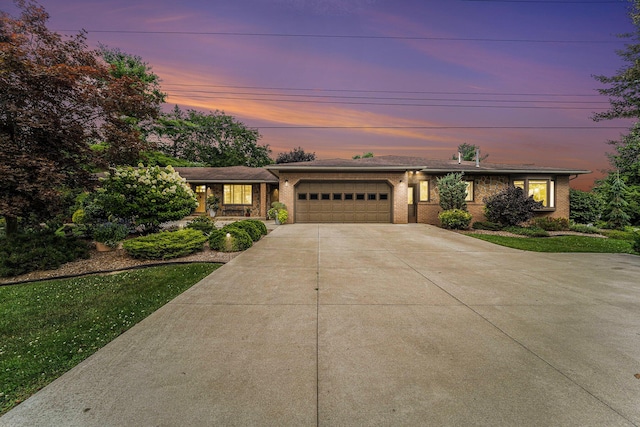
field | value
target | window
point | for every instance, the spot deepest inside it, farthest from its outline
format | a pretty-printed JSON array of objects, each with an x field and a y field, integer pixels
[
  {"x": 371, "y": 196},
  {"x": 542, "y": 190},
  {"x": 325, "y": 196},
  {"x": 337, "y": 196},
  {"x": 313, "y": 196},
  {"x": 384, "y": 196},
  {"x": 235, "y": 194},
  {"x": 469, "y": 197},
  {"x": 201, "y": 189},
  {"x": 302, "y": 196},
  {"x": 410, "y": 195},
  {"x": 360, "y": 196},
  {"x": 424, "y": 191},
  {"x": 348, "y": 196}
]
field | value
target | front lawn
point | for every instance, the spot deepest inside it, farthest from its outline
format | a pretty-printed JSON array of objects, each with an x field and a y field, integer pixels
[
  {"x": 560, "y": 243},
  {"x": 46, "y": 328}
]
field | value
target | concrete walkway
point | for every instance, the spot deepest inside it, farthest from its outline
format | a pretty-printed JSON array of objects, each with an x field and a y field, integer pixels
[{"x": 365, "y": 325}]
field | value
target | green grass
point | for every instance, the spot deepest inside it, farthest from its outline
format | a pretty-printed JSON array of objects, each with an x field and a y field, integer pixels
[
  {"x": 46, "y": 328},
  {"x": 560, "y": 243}
]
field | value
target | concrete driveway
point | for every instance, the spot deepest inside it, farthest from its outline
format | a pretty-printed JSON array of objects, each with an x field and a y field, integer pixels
[{"x": 365, "y": 325}]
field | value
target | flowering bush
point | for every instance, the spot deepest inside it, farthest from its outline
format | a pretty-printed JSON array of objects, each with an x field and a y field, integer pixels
[{"x": 146, "y": 196}]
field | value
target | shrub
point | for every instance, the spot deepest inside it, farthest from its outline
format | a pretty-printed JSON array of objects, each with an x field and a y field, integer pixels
[
  {"x": 452, "y": 191},
  {"x": 110, "y": 233},
  {"x": 283, "y": 215},
  {"x": 166, "y": 244},
  {"x": 583, "y": 228},
  {"x": 23, "y": 253},
  {"x": 238, "y": 240},
  {"x": 527, "y": 231},
  {"x": 146, "y": 196},
  {"x": 202, "y": 223},
  {"x": 510, "y": 206},
  {"x": 456, "y": 219},
  {"x": 252, "y": 230},
  {"x": 635, "y": 245},
  {"x": 486, "y": 225},
  {"x": 260, "y": 225},
  {"x": 272, "y": 213},
  {"x": 618, "y": 234},
  {"x": 584, "y": 207},
  {"x": 78, "y": 216},
  {"x": 551, "y": 224}
]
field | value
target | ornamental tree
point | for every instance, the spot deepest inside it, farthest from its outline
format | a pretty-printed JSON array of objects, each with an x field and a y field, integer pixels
[
  {"x": 511, "y": 206},
  {"x": 453, "y": 191},
  {"x": 146, "y": 196}
]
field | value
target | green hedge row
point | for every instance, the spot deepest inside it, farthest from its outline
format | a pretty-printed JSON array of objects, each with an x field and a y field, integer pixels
[{"x": 166, "y": 244}]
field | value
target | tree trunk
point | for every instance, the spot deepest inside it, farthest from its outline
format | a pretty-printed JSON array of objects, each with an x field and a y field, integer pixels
[{"x": 11, "y": 226}]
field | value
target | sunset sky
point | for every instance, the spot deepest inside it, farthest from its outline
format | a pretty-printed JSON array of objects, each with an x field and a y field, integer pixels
[{"x": 343, "y": 77}]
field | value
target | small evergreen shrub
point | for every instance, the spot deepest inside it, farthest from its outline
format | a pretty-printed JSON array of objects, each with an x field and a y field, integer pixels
[
  {"x": 486, "y": 225},
  {"x": 202, "y": 223},
  {"x": 585, "y": 207},
  {"x": 78, "y": 216},
  {"x": 259, "y": 225},
  {"x": 43, "y": 250},
  {"x": 238, "y": 240},
  {"x": 110, "y": 233},
  {"x": 510, "y": 206},
  {"x": 452, "y": 191},
  {"x": 252, "y": 230},
  {"x": 551, "y": 224},
  {"x": 455, "y": 219},
  {"x": 582, "y": 228},
  {"x": 166, "y": 244},
  {"x": 527, "y": 231}
]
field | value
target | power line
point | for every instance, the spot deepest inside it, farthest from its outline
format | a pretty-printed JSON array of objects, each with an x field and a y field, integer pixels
[
  {"x": 344, "y": 36},
  {"x": 448, "y": 127}
]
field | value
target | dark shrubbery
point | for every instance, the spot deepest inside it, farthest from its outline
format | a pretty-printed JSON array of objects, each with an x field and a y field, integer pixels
[
  {"x": 166, "y": 245},
  {"x": 252, "y": 230},
  {"x": 551, "y": 224},
  {"x": 238, "y": 240},
  {"x": 585, "y": 207},
  {"x": 202, "y": 223},
  {"x": 259, "y": 224},
  {"x": 635, "y": 245},
  {"x": 510, "y": 206},
  {"x": 486, "y": 225},
  {"x": 44, "y": 250},
  {"x": 456, "y": 219}
]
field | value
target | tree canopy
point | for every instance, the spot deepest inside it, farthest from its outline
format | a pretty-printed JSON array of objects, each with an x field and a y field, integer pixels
[
  {"x": 215, "y": 139},
  {"x": 468, "y": 152},
  {"x": 295, "y": 155},
  {"x": 57, "y": 96}
]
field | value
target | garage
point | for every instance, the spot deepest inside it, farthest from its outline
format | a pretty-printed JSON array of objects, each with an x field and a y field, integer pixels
[{"x": 343, "y": 201}]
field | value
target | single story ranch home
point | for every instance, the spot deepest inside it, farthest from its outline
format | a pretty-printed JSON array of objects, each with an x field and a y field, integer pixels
[{"x": 385, "y": 189}]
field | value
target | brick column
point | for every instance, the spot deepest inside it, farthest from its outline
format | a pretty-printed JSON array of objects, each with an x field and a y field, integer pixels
[{"x": 263, "y": 199}]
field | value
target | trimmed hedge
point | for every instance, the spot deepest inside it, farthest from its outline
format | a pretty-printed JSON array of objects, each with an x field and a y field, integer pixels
[
  {"x": 238, "y": 240},
  {"x": 45, "y": 250},
  {"x": 166, "y": 244},
  {"x": 486, "y": 225},
  {"x": 252, "y": 230},
  {"x": 259, "y": 224},
  {"x": 527, "y": 231},
  {"x": 551, "y": 224},
  {"x": 456, "y": 219}
]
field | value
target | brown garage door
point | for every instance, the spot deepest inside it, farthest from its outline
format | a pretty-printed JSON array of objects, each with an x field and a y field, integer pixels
[{"x": 343, "y": 202}]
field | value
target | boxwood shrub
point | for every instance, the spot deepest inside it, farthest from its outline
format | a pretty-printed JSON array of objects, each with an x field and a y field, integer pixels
[
  {"x": 202, "y": 223},
  {"x": 238, "y": 240},
  {"x": 259, "y": 224},
  {"x": 456, "y": 219},
  {"x": 44, "y": 250},
  {"x": 166, "y": 244},
  {"x": 252, "y": 230}
]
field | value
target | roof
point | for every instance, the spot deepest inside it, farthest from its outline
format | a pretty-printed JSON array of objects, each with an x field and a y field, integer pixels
[
  {"x": 231, "y": 174},
  {"x": 403, "y": 163}
]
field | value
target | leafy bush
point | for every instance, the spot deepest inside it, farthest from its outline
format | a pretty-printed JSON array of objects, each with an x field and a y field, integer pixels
[
  {"x": 583, "y": 228},
  {"x": 453, "y": 192},
  {"x": 166, "y": 244},
  {"x": 202, "y": 223},
  {"x": 510, "y": 206},
  {"x": 585, "y": 207},
  {"x": 146, "y": 196},
  {"x": 486, "y": 225},
  {"x": 110, "y": 233},
  {"x": 527, "y": 231},
  {"x": 635, "y": 245},
  {"x": 23, "y": 253},
  {"x": 551, "y": 224},
  {"x": 78, "y": 216},
  {"x": 456, "y": 219},
  {"x": 283, "y": 215},
  {"x": 252, "y": 230},
  {"x": 272, "y": 213},
  {"x": 260, "y": 225},
  {"x": 238, "y": 240}
]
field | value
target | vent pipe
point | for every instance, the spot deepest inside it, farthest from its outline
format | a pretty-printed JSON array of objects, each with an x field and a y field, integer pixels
[
  {"x": 459, "y": 157},
  {"x": 477, "y": 157}
]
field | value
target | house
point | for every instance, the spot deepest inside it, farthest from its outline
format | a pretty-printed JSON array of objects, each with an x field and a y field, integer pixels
[
  {"x": 240, "y": 188},
  {"x": 399, "y": 190}
]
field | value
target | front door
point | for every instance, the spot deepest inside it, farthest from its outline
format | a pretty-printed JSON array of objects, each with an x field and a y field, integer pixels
[
  {"x": 201, "y": 195},
  {"x": 411, "y": 191}
]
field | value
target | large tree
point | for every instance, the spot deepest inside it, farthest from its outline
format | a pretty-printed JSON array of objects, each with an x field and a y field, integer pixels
[
  {"x": 624, "y": 87},
  {"x": 295, "y": 155},
  {"x": 468, "y": 152},
  {"x": 56, "y": 96},
  {"x": 215, "y": 139}
]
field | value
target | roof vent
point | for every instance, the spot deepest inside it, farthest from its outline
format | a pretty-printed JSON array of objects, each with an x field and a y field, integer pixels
[
  {"x": 459, "y": 157},
  {"x": 477, "y": 157}
]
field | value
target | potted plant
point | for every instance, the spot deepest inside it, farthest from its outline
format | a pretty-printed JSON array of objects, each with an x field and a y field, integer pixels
[
  {"x": 213, "y": 204},
  {"x": 108, "y": 235},
  {"x": 247, "y": 212},
  {"x": 283, "y": 215},
  {"x": 276, "y": 207}
]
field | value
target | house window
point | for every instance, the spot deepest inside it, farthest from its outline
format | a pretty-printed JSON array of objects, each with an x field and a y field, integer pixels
[
  {"x": 384, "y": 196},
  {"x": 424, "y": 191},
  {"x": 313, "y": 196},
  {"x": 371, "y": 196},
  {"x": 201, "y": 189},
  {"x": 348, "y": 196},
  {"x": 360, "y": 196},
  {"x": 325, "y": 196},
  {"x": 235, "y": 194},
  {"x": 542, "y": 190},
  {"x": 302, "y": 196},
  {"x": 337, "y": 196},
  {"x": 469, "y": 196}
]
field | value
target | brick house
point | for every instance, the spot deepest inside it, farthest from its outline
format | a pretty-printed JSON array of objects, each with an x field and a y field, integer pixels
[{"x": 399, "y": 190}]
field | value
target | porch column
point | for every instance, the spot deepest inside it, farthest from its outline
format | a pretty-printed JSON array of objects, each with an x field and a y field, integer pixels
[{"x": 263, "y": 199}]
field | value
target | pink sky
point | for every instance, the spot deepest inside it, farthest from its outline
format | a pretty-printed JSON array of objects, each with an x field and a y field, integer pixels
[{"x": 457, "y": 71}]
